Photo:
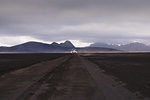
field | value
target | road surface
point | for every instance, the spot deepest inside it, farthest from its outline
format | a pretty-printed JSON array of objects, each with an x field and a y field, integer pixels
[{"x": 67, "y": 78}]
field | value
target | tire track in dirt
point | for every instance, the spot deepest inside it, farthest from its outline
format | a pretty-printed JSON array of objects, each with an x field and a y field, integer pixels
[{"x": 56, "y": 74}]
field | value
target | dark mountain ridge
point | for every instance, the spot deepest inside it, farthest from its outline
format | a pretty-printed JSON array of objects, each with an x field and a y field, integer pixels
[
  {"x": 38, "y": 47},
  {"x": 136, "y": 46}
]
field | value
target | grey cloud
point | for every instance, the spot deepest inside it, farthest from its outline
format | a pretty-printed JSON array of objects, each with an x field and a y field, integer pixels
[{"x": 44, "y": 19}]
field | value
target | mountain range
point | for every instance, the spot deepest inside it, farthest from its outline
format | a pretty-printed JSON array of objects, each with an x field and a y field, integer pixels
[
  {"x": 38, "y": 47},
  {"x": 131, "y": 47},
  {"x": 67, "y": 47}
]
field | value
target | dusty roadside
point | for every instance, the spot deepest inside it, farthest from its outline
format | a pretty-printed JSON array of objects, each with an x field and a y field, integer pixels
[
  {"x": 111, "y": 89},
  {"x": 15, "y": 83}
]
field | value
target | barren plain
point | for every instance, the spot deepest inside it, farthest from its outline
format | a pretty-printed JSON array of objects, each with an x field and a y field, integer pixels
[{"x": 123, "y": 76}]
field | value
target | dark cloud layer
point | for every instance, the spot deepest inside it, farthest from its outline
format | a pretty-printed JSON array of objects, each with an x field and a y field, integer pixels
[{"x": 111, "y": 21}]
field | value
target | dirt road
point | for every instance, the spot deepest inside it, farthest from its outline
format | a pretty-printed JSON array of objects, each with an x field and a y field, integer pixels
[{"x": 67, "y": 78}]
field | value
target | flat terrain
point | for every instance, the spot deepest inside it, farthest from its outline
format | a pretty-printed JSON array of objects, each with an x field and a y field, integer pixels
[
  {"x": 67, "y": 77},
  {"x": 11, "y": 62},
  {"x": 133, "y": 69}
]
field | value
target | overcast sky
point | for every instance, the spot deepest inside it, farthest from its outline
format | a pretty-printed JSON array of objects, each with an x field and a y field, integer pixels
[{"x": 82, "y": 21}]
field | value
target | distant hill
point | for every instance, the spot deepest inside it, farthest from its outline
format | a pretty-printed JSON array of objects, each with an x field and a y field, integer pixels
[
  {"x": 38, "y": 47},
  {"x": 128, "y": 47},
  {"x": 67, "y": 44},
  {"x": 96, "y": 50}
]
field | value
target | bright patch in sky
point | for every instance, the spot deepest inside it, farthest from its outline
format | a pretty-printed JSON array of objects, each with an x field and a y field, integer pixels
[
  {"x": 78, "y": 43},
  {"x": 12, "y": 40}
]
